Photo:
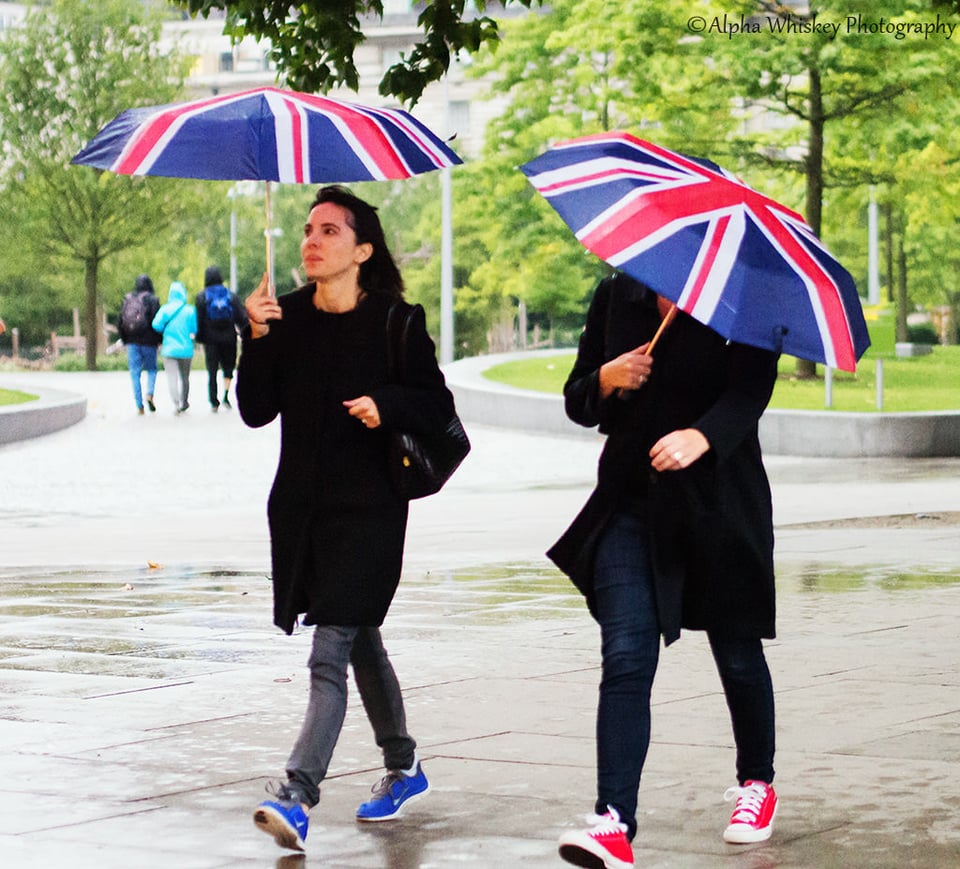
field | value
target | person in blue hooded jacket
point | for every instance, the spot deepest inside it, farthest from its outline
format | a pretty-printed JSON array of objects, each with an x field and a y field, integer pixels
[{"x": 177, "y": 322}]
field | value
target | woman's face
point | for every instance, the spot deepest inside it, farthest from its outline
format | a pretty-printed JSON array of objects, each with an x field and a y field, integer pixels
[{"x": 329, "y": 247}]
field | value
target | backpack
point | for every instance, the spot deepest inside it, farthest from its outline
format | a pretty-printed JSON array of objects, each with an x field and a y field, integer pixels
[
  {"x": 219, "y": 306},
  {"x": 135, "y": 313}
]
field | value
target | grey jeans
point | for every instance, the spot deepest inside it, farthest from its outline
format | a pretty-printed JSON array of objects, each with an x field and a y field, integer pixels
[
  {"x": 178, "y": 379},
  {"x": 334, "y": 647}
]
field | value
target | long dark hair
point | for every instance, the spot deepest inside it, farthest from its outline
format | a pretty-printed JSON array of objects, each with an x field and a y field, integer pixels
[{"x": 378, "y": 274}]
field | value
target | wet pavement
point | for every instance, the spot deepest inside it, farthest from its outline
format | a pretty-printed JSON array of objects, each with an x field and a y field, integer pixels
[{"x": 145, "y": 699}]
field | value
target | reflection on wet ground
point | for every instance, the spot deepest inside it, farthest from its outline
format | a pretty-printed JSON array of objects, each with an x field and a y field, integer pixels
[{"x": 152, "y": 705}]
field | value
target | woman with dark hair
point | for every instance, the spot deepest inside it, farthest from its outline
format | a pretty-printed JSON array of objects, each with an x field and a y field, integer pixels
[{"x": 317, "y": 358}]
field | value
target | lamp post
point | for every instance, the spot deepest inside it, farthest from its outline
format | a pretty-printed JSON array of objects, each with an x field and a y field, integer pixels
[
  {"x": 232, "y": 195},
  {"x": 446, "y": 270},
  {"x": 446, "y": 246}
]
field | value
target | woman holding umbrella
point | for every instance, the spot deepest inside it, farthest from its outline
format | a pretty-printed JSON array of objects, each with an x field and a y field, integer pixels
[
  {"x": 317, "y": 358},
  {"x": 677, "y": 534}
]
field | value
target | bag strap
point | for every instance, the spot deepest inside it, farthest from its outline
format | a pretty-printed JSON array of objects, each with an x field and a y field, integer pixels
[{"x": 398, "y": 327}]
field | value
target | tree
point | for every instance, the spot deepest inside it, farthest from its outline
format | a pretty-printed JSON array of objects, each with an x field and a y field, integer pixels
[
  {"x": 820, "y": 80},
  {"x": 584, "y": 66},
  {"x": 312, "y": 42},
  {"x": 69, "y": 69}
]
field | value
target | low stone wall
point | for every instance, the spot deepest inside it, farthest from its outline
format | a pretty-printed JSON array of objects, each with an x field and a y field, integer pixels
[
  {"x": 782, "y": 432},
  {"x": 860, "y": 435},
  {"x": 50, "y": 412},
  {"x": 489, "y": 403}
]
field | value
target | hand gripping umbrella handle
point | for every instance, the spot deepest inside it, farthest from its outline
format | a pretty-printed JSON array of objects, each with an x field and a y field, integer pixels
[{"x": 664, "y": 324}]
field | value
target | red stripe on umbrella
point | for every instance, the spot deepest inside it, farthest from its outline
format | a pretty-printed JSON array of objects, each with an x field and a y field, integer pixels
[{"x": 742, "y": 263}]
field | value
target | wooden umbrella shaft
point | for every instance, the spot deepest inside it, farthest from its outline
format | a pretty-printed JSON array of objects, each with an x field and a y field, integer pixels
[
  {"x": 268, "y": 234},
  {"x": 664, "y": 323}
]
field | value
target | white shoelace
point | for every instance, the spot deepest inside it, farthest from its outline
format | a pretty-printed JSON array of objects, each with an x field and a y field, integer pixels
[
  {"x": 605, "y": 824},
  {"x": 749, "y": 801}
]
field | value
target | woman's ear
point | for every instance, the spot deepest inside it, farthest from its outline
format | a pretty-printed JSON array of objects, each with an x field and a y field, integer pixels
[{"x": 363, "y": 252}]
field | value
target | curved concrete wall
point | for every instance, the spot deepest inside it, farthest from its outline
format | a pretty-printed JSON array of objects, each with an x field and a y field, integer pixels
[
  {"x": 52, "y": 411},
  {"x": 863, "y": 435},
  {"x": 782, "y": 432}
]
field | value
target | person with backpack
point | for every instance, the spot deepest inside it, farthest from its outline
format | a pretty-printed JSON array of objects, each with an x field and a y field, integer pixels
[
  {"x": 177, "y": 321},
  {"x": 219, "y": 318},
  {"x": 136, "y": 331}
]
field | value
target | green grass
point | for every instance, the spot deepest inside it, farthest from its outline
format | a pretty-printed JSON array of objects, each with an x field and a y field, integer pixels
[
  {"x": 921, "y": 383},
  {"x": 14, "y": 396}
]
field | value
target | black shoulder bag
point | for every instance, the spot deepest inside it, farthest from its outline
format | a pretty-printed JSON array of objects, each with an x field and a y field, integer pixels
[{"x": 419, "y": 464}]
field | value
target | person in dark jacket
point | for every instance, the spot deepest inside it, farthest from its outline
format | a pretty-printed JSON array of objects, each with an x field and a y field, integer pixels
[
  {"x": 134, "y": 327},
  {"x": 220, "y": 316},
  {"x": 678, "y": 533},
  {"x": 317, "y": 358}
]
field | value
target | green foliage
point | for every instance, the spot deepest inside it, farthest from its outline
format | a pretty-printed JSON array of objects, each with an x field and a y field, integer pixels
[
  {"x": 581, "y": 67},
  {"x": 75, "y": 362},
  {"x": 923, "y": 334},
  {"x": 312, "y": 43},
  {"x": 69, "y": 69}
]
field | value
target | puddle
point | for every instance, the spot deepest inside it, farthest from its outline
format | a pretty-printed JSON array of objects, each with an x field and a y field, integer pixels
[{"x": 844, "y": 580}]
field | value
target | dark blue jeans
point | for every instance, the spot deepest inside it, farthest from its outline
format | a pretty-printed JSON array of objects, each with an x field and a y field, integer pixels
[{"x": 630, "y": 648}]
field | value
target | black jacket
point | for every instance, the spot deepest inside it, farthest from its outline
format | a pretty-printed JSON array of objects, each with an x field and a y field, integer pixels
[
  {"x": 145, "y": 335},
  {"x": 711, "y": 524},
  {"x": 303, "y": 370},
  {"x": 220, "y": 331}
]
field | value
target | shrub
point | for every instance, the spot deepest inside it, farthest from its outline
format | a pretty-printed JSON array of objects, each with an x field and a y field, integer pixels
[{"x": 922, "y": 334}]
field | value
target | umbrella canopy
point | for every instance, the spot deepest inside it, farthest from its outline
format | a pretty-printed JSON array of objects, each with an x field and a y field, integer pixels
[
  {"x": 267, "y": 134},
  {"x": 736, "y": 260}
]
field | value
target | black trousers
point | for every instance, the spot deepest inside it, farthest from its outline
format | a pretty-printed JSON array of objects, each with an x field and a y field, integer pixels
[{"x": 221, "y": 356}]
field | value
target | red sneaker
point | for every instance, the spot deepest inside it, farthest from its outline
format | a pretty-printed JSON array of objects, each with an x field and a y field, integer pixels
[
  {"x": 603, "y": 846},
  {"x": 752, "y": 818}
]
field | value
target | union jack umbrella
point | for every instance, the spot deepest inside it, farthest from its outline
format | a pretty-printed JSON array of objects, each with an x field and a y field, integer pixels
[
  {"x": 267, "y": 134},
  {"x": 739, "y": 262}
]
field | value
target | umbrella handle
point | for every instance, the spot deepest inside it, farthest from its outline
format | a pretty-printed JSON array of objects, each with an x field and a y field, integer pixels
[
  {"x": 268, "y": 234},
  {"x": 664, "y": 323}
]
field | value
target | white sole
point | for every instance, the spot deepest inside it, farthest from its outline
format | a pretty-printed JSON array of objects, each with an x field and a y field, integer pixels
[
  {"x": 747, "y": 836},
  {"x": 398, "y": 812}
]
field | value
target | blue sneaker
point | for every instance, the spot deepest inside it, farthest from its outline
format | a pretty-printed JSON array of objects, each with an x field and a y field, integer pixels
[
  {"x": 393, "y": 792},
  {"x": 286, "y": 821}
]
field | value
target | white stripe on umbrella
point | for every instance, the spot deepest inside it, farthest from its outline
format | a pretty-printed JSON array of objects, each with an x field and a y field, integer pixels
[
  {"x": 817, "y": 294},
  {"x": 154, "y": 154},
  {"x": 715, "y": 261},
  {"x": 292, "y": 137}
]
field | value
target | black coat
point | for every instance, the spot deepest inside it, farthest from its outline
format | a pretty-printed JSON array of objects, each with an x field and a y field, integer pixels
[
  {"x": 711, "y": 525},
  {"x": 336, "y": 524}
]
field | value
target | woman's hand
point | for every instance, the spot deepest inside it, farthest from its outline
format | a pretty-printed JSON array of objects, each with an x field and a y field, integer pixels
[
  {"x": 678, "y": 450},
  {"x": 364, "y": 409},
  {"x": 262, "y": 306},
  {"x": 628, "y": 371}
]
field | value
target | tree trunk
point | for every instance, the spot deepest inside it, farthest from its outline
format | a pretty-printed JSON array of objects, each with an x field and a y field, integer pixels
[
  {"x": 805, "y": 368},
  {"x": 888, "y": 215},
  {"x": 91, "y": 325},
  {"x": 903, "y": 332}
]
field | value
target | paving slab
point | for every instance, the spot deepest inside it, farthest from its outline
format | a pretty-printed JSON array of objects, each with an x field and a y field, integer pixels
[{"x": 143, "y": 708}]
